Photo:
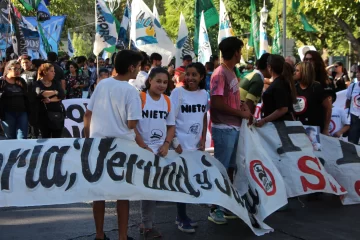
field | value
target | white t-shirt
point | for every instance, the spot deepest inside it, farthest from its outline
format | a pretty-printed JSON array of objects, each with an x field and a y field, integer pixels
[
  {"x": 354, "y": 98},
  {"x": 113, "y": 103},
  {"x": 339, "y": 118},
  {"x": 189, "y": 116},
  {"x": 139, "y": 82},
  {"x": 155, "y": 119}
]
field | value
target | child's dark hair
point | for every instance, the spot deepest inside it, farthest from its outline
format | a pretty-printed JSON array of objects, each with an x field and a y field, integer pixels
[
  {"x": 126, "y": 58},
  {"x": 152, "y": 75},
  {"x": 201, "y": 70}
]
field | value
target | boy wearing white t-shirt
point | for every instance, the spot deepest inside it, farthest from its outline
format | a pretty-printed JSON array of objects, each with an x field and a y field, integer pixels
[{"x": 113, "y": 112}]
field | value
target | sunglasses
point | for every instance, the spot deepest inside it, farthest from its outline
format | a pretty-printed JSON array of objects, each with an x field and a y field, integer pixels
[
  {"x": 336, "y": 66},
  {"x": 307, "y": 59},
  {"x": 16, "y": 69}
]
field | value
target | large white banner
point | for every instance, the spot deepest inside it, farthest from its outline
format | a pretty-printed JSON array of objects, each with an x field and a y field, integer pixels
[
  {"x": 61, "y": 171},
  {"x": 74, "y": 124},
  {"x": 291, "y": 151}
]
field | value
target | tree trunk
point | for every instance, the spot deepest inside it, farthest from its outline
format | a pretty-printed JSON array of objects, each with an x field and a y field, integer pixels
[{"x": 349, "y": 35}]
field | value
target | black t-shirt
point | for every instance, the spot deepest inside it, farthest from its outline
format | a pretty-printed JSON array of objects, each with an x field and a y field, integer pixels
[
  {"x": 53, "y": 106},
  {"x": 277, "y": 95},
  {"x": 340, "y": 83},
  {"x": 59, "y": 73},
  {"x": 14, "y": 97},
  {"x": 309, "y": 109}
]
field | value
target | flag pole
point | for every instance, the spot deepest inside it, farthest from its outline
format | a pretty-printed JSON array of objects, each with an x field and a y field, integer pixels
[{"x": 284, "y": 29}]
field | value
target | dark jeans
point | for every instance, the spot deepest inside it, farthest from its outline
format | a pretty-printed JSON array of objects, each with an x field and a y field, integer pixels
[
  {"x": 354, "y": 132},
  {"x": 181, "y": 211},
  {"x": 15, "y": 125},
  {"x": 50, "y": 133}
]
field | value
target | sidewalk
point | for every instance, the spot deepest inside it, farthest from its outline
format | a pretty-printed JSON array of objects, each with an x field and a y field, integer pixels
[{"x": 325, "y": 219}]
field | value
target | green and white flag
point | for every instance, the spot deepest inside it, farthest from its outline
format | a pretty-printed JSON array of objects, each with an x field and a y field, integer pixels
[
  {"x": 30, "y": 4},
  {"x": 44, "y": 40},
  {"x": 276, "y": 48},
  {"x": 211, "y": 18},
  {"x": 254, "y": 40},
  {"x": 304, "y": 21}
]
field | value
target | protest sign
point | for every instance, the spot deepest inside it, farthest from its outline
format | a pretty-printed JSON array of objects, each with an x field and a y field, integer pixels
[{"x": 61, "y": 171}]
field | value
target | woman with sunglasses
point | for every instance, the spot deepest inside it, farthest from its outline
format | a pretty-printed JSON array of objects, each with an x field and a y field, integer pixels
[
  {"x": 14, "y": 103},
  {"x": 321, "y": 76},
  {"x": 339, "y": 75}
]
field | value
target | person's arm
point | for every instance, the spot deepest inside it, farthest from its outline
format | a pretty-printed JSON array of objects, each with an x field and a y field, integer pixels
[
  {"x": 327, "y": 105},
  {"x": 140, "y": 141},
  {"x": 218, "y": 103},
  {"x": 87, "y": 121},
  {"x": 163, "y": 150},
  {"x": 342, "y": 131},
  {"x": 203, "y": 135},
  {"x": 278, "y": 113},
  {"x": 132, "y": 107}
]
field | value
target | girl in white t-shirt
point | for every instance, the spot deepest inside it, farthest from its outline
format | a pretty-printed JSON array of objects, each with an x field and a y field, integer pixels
[
  {"x": 154, "y": 132},
  {"x": 191, "y": 105}
]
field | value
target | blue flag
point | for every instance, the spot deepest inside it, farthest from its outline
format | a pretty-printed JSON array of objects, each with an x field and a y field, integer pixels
[{"x": 43, "y": 13}]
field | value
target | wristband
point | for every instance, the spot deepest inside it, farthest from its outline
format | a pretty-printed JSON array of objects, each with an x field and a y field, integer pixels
[{"x": 167, "y": 142}]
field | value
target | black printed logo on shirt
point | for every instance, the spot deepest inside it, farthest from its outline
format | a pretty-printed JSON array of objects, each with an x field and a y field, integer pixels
[
  {"x": 154, "y": 114},
  {"x": 193, "y": 108},
  {"x": 194, "y": 129},
  {"x": 156, "y": 134}
]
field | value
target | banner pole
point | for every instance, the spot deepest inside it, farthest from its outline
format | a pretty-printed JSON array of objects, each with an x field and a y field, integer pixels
[{"x": 284, "y": 29}]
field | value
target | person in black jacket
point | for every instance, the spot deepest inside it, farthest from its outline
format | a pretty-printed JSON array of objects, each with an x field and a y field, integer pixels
[
  {"x": 49, "y": 93},
  {"x": 14, "y": 102}
]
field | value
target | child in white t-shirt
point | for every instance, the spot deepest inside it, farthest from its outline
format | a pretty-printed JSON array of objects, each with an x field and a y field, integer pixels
[
  {"x": 191, "y": 105},
  {"x": 340, "y": 121},
  {"x": 154, "y": 132}
]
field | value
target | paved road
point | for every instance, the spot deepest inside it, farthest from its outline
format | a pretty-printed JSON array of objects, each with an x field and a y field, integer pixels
[{"x": 325, "y": 219}]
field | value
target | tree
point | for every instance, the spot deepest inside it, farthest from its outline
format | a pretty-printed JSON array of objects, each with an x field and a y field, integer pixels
[
  {"x": 83, "y": 44},
  {"x": 344, "y": 14}
]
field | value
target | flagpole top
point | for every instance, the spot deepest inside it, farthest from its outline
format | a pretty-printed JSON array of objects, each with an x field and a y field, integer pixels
[{"x": 113, "y": 4}]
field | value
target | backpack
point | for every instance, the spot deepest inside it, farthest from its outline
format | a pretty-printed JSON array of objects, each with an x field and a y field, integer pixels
[{"x": 143, "y": 100}]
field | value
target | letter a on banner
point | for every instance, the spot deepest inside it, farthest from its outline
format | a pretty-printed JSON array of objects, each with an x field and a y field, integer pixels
[{"x": 106, "y": 33}]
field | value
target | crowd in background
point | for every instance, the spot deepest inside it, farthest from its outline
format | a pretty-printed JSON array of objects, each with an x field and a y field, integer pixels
[{"x": 166, "y": 107}]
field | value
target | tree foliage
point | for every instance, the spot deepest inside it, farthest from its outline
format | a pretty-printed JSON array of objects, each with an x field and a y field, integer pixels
[{"x": 82, "y": 44}]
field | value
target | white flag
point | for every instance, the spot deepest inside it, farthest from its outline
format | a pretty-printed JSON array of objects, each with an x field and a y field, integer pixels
[
  {"x": 204, "y": 43},
  {"x": 125, "y": 22},
  {"x": 183, "y": 43},
  {"x": 106, "y": 33},
  {"x": 148, "y": 34},
  {"x": 225, "y": 29},
  {"x": 155, "y": 12},
  {"x": 70, "y": 46}
]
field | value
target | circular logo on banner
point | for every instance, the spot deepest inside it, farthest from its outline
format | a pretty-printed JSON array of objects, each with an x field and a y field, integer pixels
[
  {"x": 301, "y": 105},
  {"x": 357, "y": 101},
  {"x": 332, "y": 126},
  {"x": 357, "y": 187},
  {"x": 263, "y": 177}
]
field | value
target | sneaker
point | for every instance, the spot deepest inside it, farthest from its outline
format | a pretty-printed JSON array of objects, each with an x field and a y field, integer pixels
[
  {"x": 105, "y": 238},
  {"x": 192, "y": 223},
  {"x": 152, "y": 233},
  {"x": 229, "y": 215},
  {"x": 217, "y": 216},
  {"x": 185, "y": 226}
]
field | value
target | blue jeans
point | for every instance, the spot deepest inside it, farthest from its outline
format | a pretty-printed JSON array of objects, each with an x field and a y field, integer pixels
[
  {"x": 15, "y": 125},
  {"x": 354, "y": 132},
  {"x": 225, "y": 146}
]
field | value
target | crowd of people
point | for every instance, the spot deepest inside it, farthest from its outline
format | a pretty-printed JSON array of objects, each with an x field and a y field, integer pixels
[{"x": 137, "y": 99}]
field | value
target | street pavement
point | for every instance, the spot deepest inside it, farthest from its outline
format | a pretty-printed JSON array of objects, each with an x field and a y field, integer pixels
[{"x": 323, "y": 219}]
